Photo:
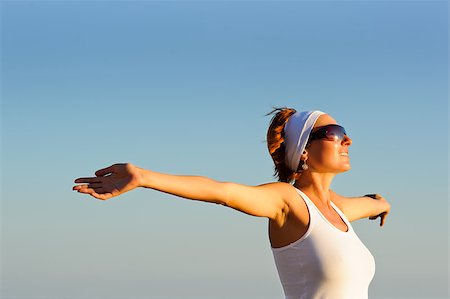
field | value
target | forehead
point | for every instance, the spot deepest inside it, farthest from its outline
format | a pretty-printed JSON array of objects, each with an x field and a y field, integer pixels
[{"x": 324, "y": 120}]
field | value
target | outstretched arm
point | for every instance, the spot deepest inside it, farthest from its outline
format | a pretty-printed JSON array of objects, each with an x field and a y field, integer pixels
[
  {"x": 268, "y": 200},
  {"x": 369, "y": 206}
]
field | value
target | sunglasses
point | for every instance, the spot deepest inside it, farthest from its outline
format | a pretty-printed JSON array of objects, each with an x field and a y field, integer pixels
[{"x": 329, "y": 132}]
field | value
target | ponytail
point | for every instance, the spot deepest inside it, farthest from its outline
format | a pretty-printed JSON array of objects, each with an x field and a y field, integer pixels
[{"x": 276, "y": 145}]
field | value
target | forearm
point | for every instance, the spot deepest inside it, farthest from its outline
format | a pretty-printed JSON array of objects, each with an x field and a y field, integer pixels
[
  {"x": 191, "y": 187},
  {"x": 362, "y": 207}
]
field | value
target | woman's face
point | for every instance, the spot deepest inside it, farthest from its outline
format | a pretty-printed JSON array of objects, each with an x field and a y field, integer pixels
[{"x": 328, "y": 156}]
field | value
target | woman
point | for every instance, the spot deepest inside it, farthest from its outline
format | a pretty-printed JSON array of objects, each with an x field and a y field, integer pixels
[{"x": 316, "y": 251}]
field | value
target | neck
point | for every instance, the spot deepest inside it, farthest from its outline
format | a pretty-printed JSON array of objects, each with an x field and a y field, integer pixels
[{"x": 316, "y": 185}]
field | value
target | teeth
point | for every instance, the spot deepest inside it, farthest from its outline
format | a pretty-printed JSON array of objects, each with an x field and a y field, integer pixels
[{"x": 344, "y": 154}]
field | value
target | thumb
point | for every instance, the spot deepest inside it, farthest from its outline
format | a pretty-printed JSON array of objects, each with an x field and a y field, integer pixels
[{"x": 104, "y": 171}]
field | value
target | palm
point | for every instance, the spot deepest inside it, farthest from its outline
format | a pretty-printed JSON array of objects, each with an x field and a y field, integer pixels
[
  {"x": 109, "y": 182},
  {"x": 117, "y": 183}
]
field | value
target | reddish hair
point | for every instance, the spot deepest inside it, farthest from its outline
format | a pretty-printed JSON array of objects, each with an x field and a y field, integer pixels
[{"x": 276, "y": 146}]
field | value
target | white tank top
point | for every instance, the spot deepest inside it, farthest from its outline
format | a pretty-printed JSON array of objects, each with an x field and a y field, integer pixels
[{"x": 325, "y": 263}]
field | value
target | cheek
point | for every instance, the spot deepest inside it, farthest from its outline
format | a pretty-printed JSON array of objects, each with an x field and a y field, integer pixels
[{"x": 327, "y": 155}]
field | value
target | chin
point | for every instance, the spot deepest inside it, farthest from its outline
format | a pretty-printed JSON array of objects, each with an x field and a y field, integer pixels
[{"x": 346, "y": 168}]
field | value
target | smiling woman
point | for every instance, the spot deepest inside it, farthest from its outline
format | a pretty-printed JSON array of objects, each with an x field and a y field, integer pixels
[
  {"x": 176, "y": 87},
  {"x": 316, "y": 251}
]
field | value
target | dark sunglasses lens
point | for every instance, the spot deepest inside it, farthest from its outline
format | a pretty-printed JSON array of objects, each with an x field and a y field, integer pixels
[{"x": 335, "y": 133}]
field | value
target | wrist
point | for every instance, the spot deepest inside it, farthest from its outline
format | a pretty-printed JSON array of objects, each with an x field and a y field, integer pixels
[{"x": 144, "y": 178}]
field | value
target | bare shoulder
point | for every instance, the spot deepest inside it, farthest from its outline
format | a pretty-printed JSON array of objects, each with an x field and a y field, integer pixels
[
  {"x": 338, "y": 199},
  {"x": 278, "y": 185},
  {"x": 286, "y": 190}
]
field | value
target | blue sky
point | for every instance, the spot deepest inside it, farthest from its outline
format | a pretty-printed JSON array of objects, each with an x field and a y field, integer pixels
[{"x": 182, "y": 87}]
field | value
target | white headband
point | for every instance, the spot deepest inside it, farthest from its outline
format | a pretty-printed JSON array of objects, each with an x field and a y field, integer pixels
[{"x": 296, "y": 134}]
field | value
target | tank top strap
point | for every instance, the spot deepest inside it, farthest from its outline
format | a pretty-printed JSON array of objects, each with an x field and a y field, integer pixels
[
  {"x": 312, "y": 209},
  {"x": 344, "y": 218},
  {"x": 311, "y": 206}
]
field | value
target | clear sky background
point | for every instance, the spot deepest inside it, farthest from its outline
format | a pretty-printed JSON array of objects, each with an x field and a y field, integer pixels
[{"x": 183, "y": 87}]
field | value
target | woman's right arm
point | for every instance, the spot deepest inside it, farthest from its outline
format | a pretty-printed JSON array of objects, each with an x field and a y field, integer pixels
[{"x": 267, "y": 200}]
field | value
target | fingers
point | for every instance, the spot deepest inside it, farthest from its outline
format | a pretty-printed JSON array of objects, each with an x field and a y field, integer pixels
[
  {"x": 98, "y": 173},
  {"x": 95, "y": 187},
  {"x": 383, "y": 219},
  {"x": 88, "y": 180},
  {"x": 101, "y": 196},
  {"x": 97, "y": 192},
  {"x": 105, "y": 171},
  {"x": 104, "y": 196},
  {"x": 84, "y": 189}
]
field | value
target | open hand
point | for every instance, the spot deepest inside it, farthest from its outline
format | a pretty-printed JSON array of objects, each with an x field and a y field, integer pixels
[{"x": 111, "y": 181}]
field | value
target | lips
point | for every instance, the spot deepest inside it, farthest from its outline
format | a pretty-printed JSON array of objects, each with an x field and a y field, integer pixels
[{"x": 344, "y": 154}]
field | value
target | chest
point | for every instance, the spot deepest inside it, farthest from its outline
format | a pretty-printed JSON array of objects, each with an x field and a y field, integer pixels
[{"x": 334, "y": 219}]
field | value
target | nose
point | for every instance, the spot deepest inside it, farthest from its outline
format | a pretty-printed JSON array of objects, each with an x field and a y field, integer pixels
[{"x": 346, "y": 141}]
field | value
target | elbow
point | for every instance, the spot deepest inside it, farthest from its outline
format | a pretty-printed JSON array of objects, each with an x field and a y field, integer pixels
[{"x": 224, "y": 192}]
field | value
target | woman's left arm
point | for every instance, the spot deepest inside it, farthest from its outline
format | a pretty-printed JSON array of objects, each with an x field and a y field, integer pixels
[{"x": 369, "y": 206}]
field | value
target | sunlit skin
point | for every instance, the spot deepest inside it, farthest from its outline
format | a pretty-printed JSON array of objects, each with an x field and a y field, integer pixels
[
  {"x": 325, "y": 159},
  {"x": 277, "y": 201}
]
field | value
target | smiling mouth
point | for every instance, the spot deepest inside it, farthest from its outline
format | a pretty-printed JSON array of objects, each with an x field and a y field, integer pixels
[{"x": 344, "y": 154}]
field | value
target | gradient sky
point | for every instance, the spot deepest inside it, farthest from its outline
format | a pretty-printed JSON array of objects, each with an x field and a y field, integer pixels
[{"x": 183, "y": 87}]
